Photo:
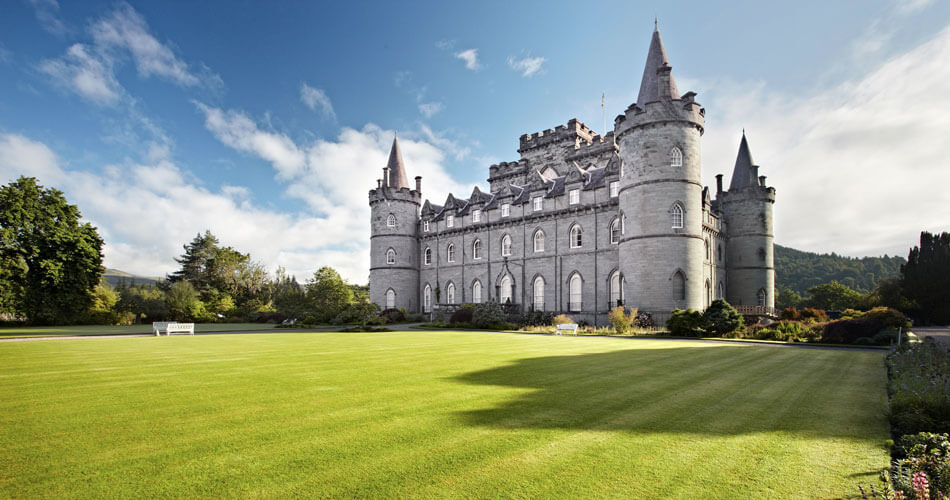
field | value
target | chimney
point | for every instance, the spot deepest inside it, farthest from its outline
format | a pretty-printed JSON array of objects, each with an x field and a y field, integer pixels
[
  {"x": 718, "y": 185},
  {"x": 755, "y": 173},
  {"x": 419, "y": 184},
  {"x": 379, "y": 183},
  {"x": 762, "y": 180},
  {"x": 386, "y": 176}
]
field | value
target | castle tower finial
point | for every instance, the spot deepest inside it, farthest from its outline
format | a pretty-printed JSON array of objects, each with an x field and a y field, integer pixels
[
  {"x": 397, "y": 170},
  {"x": 656, "y": 24},
  {"x": 657, "y": 62},
  {"x": 744, "y": 173}
]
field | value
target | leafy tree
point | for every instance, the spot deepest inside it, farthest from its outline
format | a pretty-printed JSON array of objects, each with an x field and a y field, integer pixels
[
  {"x": 181, "y": 299},
  {"x": 721, "y": 318},
  {"x": 834, "y": 296},
  {"x": 787, "y": 298},
  {"x": 50, "y": 263},
  {"x": 799, "y": 271},
  {"x": 926, "y": 277},
  {"x": 288, "y": 296},
  {"x": 328, "y": 294},
  {"x": 103, "y": 309}
]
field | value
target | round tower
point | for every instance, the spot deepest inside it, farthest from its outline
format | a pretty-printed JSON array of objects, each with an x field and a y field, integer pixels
[
  {"x": 394, "y": 244},
  {"x": 662, "y": 248},
  {"x": 747, "y": 210}
]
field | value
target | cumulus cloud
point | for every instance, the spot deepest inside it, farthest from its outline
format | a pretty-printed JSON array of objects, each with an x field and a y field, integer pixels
[
  {"x": 470, "y": 56},
  {"x": 527, "y": 66},
  {"x": 859, "y": 168},
  {"x": 316, "y": 100},
  {"x": 430, "y": 109},
  {"x": 84, "y": 73}
]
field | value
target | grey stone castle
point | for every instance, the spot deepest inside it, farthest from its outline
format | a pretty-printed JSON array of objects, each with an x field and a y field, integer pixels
[{"x": 583, "y": 222}]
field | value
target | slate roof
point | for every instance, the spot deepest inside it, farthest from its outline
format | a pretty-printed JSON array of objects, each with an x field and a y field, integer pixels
[
  {"x": 397, "y": 169},
  {"x": 656, "y": 58},
  {"x": 743, "y": 175}
]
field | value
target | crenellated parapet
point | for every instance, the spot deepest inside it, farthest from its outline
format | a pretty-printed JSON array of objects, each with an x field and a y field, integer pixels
[
  {"x": 685, "y": 109},
  {"x": 571, "y": 135},
  {"x": 395, "y": 194}
]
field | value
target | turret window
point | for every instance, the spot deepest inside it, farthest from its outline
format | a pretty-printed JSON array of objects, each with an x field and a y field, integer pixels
[
  {"x": 450, "y": 221},
  {"x": 391, "y": 221},
  {"x": 706, "y": 243},
  {"x": 720, "y": 291},
  {"x": 576, "y": 236},
  {"x": 679, "y": 286},
  {"x": 477, "y": 250},
  {"x": 450, "y": 253},
  {"x": 615, "y": 231},
  {"x": 676, "y": 157},
  {"x": 427, "y": 256},
  {"x": 762, "y": 254},
  {"x": 539, "y": 241},
  {"x": 505, "y": 246},
  {"x": 676, "y": 214},
  {"x": 390, "y": 256},
  {"x": 390, "y": 299},
  {"x": 761, "y": 296}
]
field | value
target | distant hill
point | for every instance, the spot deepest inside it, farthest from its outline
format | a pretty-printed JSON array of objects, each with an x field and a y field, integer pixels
[
  {"x": 114, "y": 276},
  {"x": 800, "y": 270}
]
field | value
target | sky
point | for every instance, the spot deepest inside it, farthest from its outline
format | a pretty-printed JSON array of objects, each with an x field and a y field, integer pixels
[{"x": 268, "y": 122}]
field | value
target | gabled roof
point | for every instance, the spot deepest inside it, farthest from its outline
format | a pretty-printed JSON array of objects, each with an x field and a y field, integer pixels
[
  {"x": 656, "y": 58},
  {"x": 743, "y": 174},
  {"x": 397, "y": 170}
]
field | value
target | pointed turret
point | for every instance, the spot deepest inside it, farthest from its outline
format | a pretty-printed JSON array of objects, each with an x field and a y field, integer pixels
[
  {"x": 397, "y": 171},
  {"x": 744, "y": 174},
  {"x": 656, "y": 71}
]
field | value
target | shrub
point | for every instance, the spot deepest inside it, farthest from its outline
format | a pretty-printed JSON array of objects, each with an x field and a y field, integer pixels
[
  {"x": 890, "y": 317},
  {"x": 489, "y": 315},
  {"x": 688, "y": 323},
  {"x": 790, "y": 313},
  {"x": 561, "y": 319},
  {"x": 619, "y": 319},
  {"x": 847, "y": 331},
  {"x": 722, "y": 318},
  {"x": 810, "y": 313},
  {"x": 929, "y": 453},
  {"x": 533, "y": 318},
  {"x": 919, "y": 386},
  {"x": 462, "y": 316},
  {"x": 644, "y": 320},
  {"x": 393, "y": 315}
]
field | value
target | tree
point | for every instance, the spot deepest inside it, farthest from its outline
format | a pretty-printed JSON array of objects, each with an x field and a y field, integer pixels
[
  {"x": 787, "y": 298},
  {"x": 926, "y": 277},
  {"x": 195, "y": 262},
  {"x": 181, "y": 300},
  {"x": 722, "y": 318},
  {"x": 288, "y": 296},
  {"x": 834, "y": 297},
  {"x": 328, "y": 294},
  {"x": 50, "y": 263}
]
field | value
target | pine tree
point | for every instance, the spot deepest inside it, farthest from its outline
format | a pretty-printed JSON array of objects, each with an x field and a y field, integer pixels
[{"x": 926, "y": 277}]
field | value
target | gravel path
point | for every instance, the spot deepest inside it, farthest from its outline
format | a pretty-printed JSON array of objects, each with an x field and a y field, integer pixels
[{"x": 941, "y": 334}]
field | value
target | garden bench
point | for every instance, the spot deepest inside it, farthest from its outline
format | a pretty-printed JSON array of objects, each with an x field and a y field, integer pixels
[
  {"x": 170, "y": 327},
  {"x": 567, "y": 326}
]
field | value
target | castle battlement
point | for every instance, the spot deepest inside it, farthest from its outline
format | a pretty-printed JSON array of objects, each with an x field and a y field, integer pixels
[{"x": 569, "y": 133}]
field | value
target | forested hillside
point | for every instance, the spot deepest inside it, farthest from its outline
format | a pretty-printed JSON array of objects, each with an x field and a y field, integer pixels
[{"x": 800, "y": 271}]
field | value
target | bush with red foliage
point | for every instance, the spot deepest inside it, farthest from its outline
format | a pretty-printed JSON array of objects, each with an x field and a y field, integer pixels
[{"x": 847, "y": 331}]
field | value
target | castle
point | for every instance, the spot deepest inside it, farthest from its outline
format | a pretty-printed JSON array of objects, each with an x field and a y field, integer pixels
[{"x": 583, "y": 222}]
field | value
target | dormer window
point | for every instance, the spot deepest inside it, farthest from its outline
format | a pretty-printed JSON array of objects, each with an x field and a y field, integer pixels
[
  {"x": 676, "y": 157},
  {"x": 505, "y": 209},
  {"x": 425, "y": 226},
  {"x": 614, "y": 189},
  {"x": 574, "y": 196},
  {"x": 538, "y": 204},
  {"x": 476, "y": 215},
  {"x": 450, "y": 221},
  {"x": 391, "y": 221}
]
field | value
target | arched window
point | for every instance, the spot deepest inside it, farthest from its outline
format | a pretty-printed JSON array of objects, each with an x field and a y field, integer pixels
[
  {"x": 616, "y": 290},
  {"x": 391, "y": 221},
  {"x": 427, "y": 299},
  {"x": 504, "y": 292},
  {"x": 505, "y": 245},
  {"x": 576, "y": 233},
  {"x": 477, "y": 292},
  {"x": 450, "y": 253},
  {"x": 615, "y": 230},
  {"x": 538, "y": 294},
  {"x": 539, "y": 241},
  {"x": 450, "y": 293},
  {"x": 719, "y": 252},
  {"x": 427, "y": 256},
  {"x": 477, "y": 249},
  {"x": 677, "y": 216},
  {"x": 575, "y": 301},
  {"x": 708, "y": 294},
  {"x": 390, "y": 299},
  {"x": 676, "y": 157},
  {"x": 762, "y": 296},
  {"x": 390, "y": 256},
  {"x": 679, "y": 286},
  {"x": 720, "y": 291},
  {"x": 762, "y": 254}
]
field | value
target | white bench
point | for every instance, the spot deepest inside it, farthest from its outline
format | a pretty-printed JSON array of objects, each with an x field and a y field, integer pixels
[
  {"x": 171, "y": 327},
  {"x": 563, "y": 327}
]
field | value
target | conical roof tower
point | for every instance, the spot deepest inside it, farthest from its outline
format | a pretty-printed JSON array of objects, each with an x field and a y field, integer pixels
[
  {"x": 396, "y": 167},
  {"x": 744, "y": 173},
  {"x": 656, "y": 59}
]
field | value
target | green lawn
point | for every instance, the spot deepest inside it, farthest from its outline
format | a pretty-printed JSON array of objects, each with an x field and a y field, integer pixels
[
  {"x": 436, "y": 414},
  {"x": 73, "y": 330}
]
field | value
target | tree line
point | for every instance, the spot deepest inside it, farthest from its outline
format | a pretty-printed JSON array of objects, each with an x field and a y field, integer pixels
[{"x": 798, "y": 271}]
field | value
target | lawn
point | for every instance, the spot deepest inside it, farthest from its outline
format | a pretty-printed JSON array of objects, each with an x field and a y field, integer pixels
[
  {"x": 75, "y": 330},
  {"x": 436, "y": 414}
]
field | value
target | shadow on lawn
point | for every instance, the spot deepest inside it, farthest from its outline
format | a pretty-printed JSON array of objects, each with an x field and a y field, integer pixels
[{"x": 722, "y": 390}]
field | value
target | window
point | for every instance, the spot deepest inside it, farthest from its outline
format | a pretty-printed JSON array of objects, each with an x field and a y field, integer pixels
[
  {"x": 505, "y": 209},
  {"x": 504, "y": 293},
  {"x": 450, "y": 221},
  {"x": 538, "y": 204},
  {"x": 720, "y": 291},
  {"x": 761, "y": 296},
  {"x": 427, "y": 256},
  {"x": 425, "y": 226},
  {"x": 450, "y": 253},
  {"x": 616, "y": 289},
  {"x": 538, "y": 294},
  {"x": 476, "y": 215},
  {"x": 450, "y": 293},
  {"x": 706, "y": 244},
  {"x": 477, "y": 292},
  {"x": 677, "y": 216},
  {"x": 576, "y": 241},
  {"x": 390, "y": 299},
  {"x": 719, "y": 252},
  {"x": 574, "y": 303},
  {"x": 615, "y": 231},
  {"x": 708, "y": 294},
  {"x": 390, "y": 256},
  {"x": 391, "y": 221},
  {"x": 539, "y": 241},
  {"x": 477, "y": 249},
  {"x": 574, "y": 196},
  {"x": 679, "y": 286},
  {"x": 676, "y": 157},
  {"x": 614, "y": 189},
  {"x": 505, "y": 245},
  {"x": 762, "y": 254},
  {"x": 427, "y": 299}
]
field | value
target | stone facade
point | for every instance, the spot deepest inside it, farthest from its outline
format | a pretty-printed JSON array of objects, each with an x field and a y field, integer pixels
[{"x": 583, "y": 222}]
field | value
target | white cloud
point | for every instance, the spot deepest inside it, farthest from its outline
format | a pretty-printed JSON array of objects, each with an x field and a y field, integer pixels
[
  {"x": 527, "y": 66},
  {"x": 470, "y": 56},
  {"x": 912, "y": 6},
  {"x": 445, "y": 44},
  {"x": 859, "y": 168},
  {"x": 317, "y": 100},
  {"x": 85, "y": 74},
  {"x": 47, "y": 13},
  {"x": 430, "y": 109}
]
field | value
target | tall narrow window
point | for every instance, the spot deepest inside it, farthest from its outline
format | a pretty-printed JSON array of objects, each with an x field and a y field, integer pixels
[
  {"x": 425, "y": 226},
  {"x": 477, "y": 249},
  {"x": 427, "y": 299},
  {"x": 390, "y": 256},
  {"x": 679, "y": 286},
  {"x": 615, "y": 231},
  {"x": 539, "y": 241},
  {"x": 574, "y": 196},
  {"x": 476, "y": 215},
  {"x": 505, "y": 246},
  {"x": 616, "y": 289},
  {"x": 720, "y": 291},
  {"x": 538, "y": 204},
  {"x": 390, "y": 299},
  {"x": 614, "y": 189},
  {"x": 450, "y": 293},
  {"x": 677, "y": 216},
  {"x": 391, "y": 220},
  {"x": 706, "y": 244},
  {"x": 450, "y": 253},
  {"x": 538, "y": 294},
  {"x": 708, "y": 294},
  {"x": 575, "y": 302},
  {"x": 719, "y": 252},
  {"x": 576, "y": 236},
  {"x": 676, "y": 157},
  {"x": 504, "y": 292},
  {"x": 450, "y": 221},
  {"x": 761, "y": 296},
  {"x": 505, "y": 210},
  {"x": 427, "y": 256},
  {"x": 477, "y": 292}
]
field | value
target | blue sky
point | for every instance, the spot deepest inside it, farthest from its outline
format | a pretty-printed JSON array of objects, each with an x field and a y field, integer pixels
[{"x": 268, "y": 122}]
